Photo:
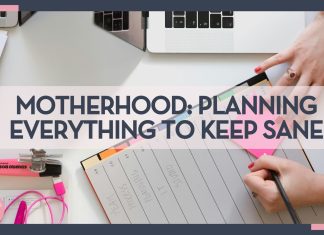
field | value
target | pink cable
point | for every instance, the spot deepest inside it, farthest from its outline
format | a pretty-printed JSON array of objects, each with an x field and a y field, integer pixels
[
  {"x": 61, "y": 199},
  {"x": 51, "y": 213},
  {"x": 63, "y": 210},
  {"x": 30, "y": 192}
]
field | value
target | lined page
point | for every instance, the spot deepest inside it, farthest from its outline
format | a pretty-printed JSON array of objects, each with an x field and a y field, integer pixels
[
  {"x": 172, "y": 182},
  {"x": 177, "y": 184}
]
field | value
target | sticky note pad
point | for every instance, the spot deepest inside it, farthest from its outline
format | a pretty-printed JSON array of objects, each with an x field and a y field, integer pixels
[{"x": 257, "y": 144}]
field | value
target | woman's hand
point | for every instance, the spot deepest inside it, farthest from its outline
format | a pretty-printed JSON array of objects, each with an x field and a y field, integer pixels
[
  {"x": 305, "y": 56},
  {"x": 302, "y": 185}
]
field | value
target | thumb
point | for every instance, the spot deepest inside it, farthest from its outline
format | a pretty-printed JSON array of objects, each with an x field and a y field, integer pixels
[{"x": 269, "y": 163}]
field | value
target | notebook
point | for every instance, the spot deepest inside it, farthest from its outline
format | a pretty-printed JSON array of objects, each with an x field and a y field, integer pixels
[
  {"x": 3, "y": 40},
  {"x": 137, "y": 182}
]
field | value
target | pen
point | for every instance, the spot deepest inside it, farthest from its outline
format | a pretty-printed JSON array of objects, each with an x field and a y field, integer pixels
[
  {"x": 20, "y": 217},
  {"x": 285, "y": 198}
]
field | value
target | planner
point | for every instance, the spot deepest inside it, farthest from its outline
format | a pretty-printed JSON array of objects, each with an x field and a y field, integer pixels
[{"x": 168, "y": 181}]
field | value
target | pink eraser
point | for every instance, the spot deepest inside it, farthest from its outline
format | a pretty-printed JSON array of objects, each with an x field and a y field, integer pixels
[{"x": 2, "y": 209}]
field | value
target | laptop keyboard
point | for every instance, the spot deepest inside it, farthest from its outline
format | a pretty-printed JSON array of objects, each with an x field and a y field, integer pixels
[
  {"x": 199, "y": 19},
  {"x": 112, "y": 20},
  {"x": 119, "y": 20}
]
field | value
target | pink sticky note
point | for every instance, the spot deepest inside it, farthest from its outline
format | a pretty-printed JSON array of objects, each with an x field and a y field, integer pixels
[{"x": 257, "y": 144}]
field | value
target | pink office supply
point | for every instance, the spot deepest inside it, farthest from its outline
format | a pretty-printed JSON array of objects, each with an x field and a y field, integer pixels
[
  {"x": 21, "y": 213},
  {"x": 12, "y": 167},
  {"x": 58, "y": 186},
  {"x": 257, "y": 144},
  {"x": 44, "y": 198}
]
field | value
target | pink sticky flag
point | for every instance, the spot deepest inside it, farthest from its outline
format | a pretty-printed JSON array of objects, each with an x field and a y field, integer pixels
[{"x": 257, "y": 144}]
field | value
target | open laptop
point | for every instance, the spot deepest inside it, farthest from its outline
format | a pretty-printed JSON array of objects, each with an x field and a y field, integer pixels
[{"x": 205, "y": 31}]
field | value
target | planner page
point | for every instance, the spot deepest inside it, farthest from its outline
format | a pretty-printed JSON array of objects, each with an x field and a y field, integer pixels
[
  {"x": 173, "y": 181},
  {"x": 150, "y": 185}
]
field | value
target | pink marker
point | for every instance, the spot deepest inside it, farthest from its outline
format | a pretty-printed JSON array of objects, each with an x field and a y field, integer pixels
[
  {"x": 21, "y": 213},
  {"x": 12, "y": 167}
]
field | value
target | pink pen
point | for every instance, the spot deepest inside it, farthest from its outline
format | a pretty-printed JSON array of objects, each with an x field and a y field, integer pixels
[{"x": 20, "y": 217}]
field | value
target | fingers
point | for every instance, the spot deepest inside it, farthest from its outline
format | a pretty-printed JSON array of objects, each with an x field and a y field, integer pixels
[
  {"x": 315, "y": 91},
  {"x": 301, "y": 89},
  {"x": 302, "y": 92},
  {"x": 285, "y": 80},
  {"x": 264, "y": 174},
  {"x": 265, "y": 190},
  {"x": 281, "y": 85},
  {"x": 305, "y": 87},
  {"x": 256, "y": 181},
  {"x": 275, "y": 60},
  {"x": 268, "y": 162}
]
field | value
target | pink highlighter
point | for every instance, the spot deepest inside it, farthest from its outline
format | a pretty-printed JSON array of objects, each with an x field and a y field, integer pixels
[
  {"x": 21, "y": 213},
  {"x": 13, "y": 167}
]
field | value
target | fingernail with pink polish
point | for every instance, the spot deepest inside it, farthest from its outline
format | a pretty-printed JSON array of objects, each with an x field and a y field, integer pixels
[
  {"x": 251, "y": 165},
  {"x": 257, "y": 69}
]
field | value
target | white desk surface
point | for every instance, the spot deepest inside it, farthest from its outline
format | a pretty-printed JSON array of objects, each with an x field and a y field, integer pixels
[{"x": 65, "y": 48}]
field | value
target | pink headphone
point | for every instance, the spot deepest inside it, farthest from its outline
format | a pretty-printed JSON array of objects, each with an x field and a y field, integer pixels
[{"x": 59, "y": 189}]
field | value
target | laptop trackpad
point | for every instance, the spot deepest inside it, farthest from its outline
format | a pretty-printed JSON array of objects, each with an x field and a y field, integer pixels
[{"x": 199, "y": 40}]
